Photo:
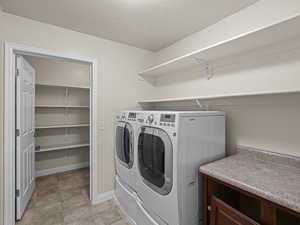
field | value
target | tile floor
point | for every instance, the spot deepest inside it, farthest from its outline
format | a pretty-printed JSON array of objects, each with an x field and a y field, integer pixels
[{"x": 62, "y": 199}]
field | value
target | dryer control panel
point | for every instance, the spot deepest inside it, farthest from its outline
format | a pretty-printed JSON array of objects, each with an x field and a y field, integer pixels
[
  {"x": 157, "y": 119},
  {"x": 167, "y": 120}
]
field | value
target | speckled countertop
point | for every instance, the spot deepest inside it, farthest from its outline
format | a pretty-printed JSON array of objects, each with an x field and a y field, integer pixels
[{"x": 269, "y": 175}]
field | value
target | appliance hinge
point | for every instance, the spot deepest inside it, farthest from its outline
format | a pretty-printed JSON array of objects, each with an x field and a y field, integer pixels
[
  {"x": 17, "y": 132},
  {"x": 17, "y": 72},
  {"x": 17, "y": 193}
]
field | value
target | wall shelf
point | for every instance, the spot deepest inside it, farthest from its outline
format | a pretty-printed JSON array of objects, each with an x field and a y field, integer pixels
[
  {"x": 263, "y": 36},
  {"x": 211, "y": 97},
  {"x": 62, "y": 126},
  {"x": 62, "y": 106},
  {"x": 61, "y": 147},
  {"x": 62, "y": 86}
]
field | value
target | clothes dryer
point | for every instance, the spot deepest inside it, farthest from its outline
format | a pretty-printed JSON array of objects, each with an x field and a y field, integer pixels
[{"x": 170, "y": 148}]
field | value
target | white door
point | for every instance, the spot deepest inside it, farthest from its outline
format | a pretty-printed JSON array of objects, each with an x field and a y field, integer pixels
[{"x": 25, "y": 146}]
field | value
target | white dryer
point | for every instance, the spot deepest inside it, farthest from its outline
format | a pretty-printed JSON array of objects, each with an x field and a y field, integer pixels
[
  {"x": 125, "y": 135},
  {"x": 170, "y": 148}
]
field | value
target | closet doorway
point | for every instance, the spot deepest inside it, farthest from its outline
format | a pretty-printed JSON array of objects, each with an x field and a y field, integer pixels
[{"x": 50, "y": 118}]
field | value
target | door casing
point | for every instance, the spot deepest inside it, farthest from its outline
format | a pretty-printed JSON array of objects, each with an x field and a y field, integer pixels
[{"x": 11, "y": 50}]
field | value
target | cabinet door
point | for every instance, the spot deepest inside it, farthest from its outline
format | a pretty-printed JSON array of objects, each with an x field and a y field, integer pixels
[{"x": 223, "y": 214}]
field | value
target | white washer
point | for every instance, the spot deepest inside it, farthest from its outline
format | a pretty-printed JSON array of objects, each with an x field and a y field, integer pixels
[
  {"x": 171, "y": 147},
  {"x": 125, "y": 135},
  {"x": 126, "y": 198}
]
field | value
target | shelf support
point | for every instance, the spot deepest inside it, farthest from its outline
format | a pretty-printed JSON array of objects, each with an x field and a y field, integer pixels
[
  {"x": 67, "y": 96},
  {"x": 200, "y": 105},
  {"x": 206, "y": 67}
]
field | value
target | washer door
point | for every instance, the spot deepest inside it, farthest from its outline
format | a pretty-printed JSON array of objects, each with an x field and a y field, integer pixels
[
  {"x": 124, "y": 144},
  {"x": 155, "y": 156}
]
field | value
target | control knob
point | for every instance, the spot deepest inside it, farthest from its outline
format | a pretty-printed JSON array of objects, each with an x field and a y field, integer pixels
[{"x": 151, "y": 118}]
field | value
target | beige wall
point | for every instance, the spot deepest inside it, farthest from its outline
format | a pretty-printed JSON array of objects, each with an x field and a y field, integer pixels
[
  {"x": 118, "y": 84},
  {"x": 269, "y": 123},
  {"x": 265, "y": 122},
  {"x": 59, "y": 71}
]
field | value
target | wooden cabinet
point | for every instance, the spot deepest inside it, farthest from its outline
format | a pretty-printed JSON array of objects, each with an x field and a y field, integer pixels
[
  {"x": 223, "y": 214},
  {"x": 225, "y": 204}
]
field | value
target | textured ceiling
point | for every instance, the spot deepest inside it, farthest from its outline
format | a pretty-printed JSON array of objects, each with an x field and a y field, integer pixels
[{"x": 148, "y": 24}]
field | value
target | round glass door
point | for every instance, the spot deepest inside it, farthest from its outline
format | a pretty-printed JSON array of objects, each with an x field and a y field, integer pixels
[
  {"x": 124, "y": 144},
  {"x": 155, "y": 155}
]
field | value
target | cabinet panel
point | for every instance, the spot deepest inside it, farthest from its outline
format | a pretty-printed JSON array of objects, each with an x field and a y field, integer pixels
[
  {"x": 225, "y": 204},
  {"x": 286, "y": 218},
  {"x": 223, "y": 214},
  {"x": 241, "y": 202}
]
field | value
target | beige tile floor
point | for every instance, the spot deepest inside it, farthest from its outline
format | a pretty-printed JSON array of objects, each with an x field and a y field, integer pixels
[{"x": 62, "y": 199}]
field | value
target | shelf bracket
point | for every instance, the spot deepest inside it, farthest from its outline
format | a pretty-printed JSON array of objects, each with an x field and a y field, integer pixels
[
  {"x": 207, "y": 69},
  {"x": 200, "y": 105},
  {"x": 67, "y": 95}
]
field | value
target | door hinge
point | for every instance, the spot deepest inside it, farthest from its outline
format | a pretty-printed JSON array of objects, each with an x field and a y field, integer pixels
[
  {"x": 17, "y": 193},
  {"x": 17, "y": 72},
  {"x": 17, "y": 132}
]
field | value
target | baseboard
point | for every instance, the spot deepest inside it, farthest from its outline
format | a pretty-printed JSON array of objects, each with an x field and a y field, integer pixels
[
  {"x": 61, "y": 169},
  {"x": 102, "y": 197}
]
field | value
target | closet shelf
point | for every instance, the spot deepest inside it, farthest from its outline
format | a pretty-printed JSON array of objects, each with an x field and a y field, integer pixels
[
  {"x": 62, "y": 106},
  {"x": 62, "y": 86},
  {"x": 61, "y": 147},
  {"x": 263, "y": 36},
  {"x": 62, "y": 126}
]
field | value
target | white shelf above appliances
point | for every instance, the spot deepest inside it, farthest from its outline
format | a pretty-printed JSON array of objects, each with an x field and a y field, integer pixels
[
  {"x": 209, "y": 97},
  {"x": 263, "y": 36},
  {"x": 208, "y": 101}
]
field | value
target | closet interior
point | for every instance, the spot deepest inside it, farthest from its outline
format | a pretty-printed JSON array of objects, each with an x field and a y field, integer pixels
[{"x": 62, "y": 115}]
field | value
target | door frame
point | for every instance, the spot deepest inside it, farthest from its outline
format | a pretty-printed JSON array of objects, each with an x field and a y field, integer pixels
[{"x": 11, "y": 50}]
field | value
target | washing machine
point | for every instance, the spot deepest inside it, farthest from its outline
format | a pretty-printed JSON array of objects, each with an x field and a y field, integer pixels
[
  {"x": 127, "y": 200},
  {"x": 170, "y": 148},
  {"x": 125, "y": 136}
]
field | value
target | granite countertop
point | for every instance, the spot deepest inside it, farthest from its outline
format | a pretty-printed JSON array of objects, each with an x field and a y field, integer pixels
[{"x": 272, "y": 176}]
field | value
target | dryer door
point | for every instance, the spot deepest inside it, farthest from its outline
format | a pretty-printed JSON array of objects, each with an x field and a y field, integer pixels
[
  {"x": 124, "y": 144},
  {"x": 155, "y": 155}
]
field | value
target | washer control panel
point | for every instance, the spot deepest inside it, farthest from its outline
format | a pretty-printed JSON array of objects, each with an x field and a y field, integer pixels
[
  {"x": 132, "y": 116},
  {"x": 121, "y": 117},
  {"x": 150, "y": 118}
]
